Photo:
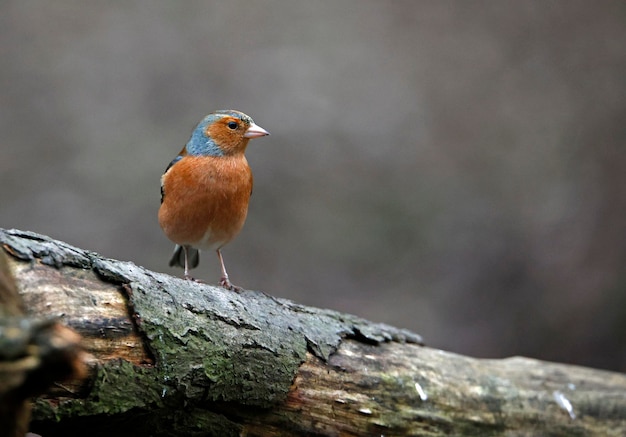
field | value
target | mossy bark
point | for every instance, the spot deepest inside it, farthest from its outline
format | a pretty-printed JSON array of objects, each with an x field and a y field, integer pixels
[{"x": 173, "y": 357}]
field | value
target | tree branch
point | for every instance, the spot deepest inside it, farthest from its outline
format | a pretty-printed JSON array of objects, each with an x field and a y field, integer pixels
[{"x": 173, "y": 357}]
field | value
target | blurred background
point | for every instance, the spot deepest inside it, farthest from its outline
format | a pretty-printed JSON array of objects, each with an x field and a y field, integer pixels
[{"x": 457, "y": 168}]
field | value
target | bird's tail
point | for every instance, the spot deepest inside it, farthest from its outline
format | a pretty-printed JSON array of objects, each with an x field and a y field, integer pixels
[{"x": 178, "y": 257}]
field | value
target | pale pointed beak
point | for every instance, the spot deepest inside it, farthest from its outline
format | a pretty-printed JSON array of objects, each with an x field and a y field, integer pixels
[{"x": 255, "y": 131}]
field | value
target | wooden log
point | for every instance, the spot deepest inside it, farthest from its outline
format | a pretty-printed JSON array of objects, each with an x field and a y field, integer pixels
[
  {"x": 173, "y": 357},
  {"x": 34, "y": 352}
]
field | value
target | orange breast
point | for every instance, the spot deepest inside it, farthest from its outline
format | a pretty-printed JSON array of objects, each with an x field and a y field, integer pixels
[{"x": 205, "y": 200}]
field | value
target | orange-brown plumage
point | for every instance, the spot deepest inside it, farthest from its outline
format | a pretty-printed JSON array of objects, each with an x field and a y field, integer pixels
[
  {"x": 206, "y": 200},
  {"x": 207, "y": 187}
]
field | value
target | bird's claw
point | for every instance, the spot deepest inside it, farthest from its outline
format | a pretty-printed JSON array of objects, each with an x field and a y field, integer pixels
[
  {"x": 224, "y": 282},
  {"x": 192, "y": 279}
]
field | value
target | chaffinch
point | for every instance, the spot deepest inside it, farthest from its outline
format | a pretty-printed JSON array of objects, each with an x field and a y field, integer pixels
[{"x": 206, "y": 189}]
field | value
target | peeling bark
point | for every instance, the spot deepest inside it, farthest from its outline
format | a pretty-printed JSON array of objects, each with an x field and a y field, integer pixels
[{"x": 173, "y": 357}]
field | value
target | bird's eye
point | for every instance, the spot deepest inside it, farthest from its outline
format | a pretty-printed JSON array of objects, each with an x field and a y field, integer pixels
[{"x": 232, "y": 125}]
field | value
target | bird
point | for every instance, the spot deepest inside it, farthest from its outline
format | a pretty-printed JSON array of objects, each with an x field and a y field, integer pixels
[{"x": 206, "y": 189}]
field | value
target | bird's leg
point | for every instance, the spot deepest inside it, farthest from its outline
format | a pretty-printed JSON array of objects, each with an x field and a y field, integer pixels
[
  {"x": 186, "y": 263},
  {"x": 187, "y": 275},
  {"x": 224, "y": 281}
]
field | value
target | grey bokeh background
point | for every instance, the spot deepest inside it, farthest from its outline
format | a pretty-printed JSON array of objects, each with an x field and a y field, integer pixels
[{"x": 455, "y": 167}]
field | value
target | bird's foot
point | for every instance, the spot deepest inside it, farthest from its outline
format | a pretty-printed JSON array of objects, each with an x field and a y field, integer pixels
[
  {"x": 224, "y": 282},
  {"x": 192, "y": 279}
]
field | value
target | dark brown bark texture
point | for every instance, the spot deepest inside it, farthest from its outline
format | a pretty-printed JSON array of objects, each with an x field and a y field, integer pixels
[{"x": 173, "y": 357}]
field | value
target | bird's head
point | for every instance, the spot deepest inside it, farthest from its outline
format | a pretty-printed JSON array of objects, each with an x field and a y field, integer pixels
[{"x": 224, "y": 132}]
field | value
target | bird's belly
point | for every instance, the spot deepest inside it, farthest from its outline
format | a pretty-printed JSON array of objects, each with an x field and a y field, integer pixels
[
  {"x": 205, "y": 206},
  {"x": 204, "y": 223},
  {"x": 223, "y": 224}
]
